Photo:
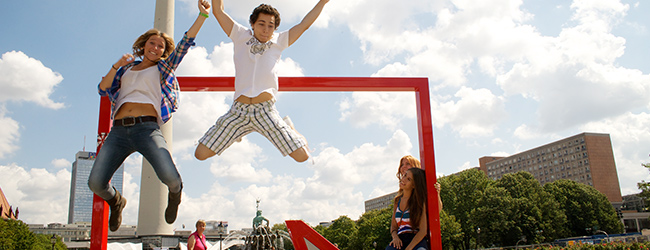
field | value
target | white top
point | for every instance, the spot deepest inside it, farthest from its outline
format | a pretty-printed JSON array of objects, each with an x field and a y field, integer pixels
[
  {"x": 141, "y": 86},
  {"x": 255, "y": 62}
]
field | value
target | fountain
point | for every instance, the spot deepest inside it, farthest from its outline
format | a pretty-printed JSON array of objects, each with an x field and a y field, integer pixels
[{"x": 262, "y": 238}]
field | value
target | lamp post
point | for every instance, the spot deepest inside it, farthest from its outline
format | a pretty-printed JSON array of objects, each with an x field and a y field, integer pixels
[
  {"x": 523, "y": 238},
  {"x": 53, "y": 240},
  {"x": 478, "y": 237},
  {"x": 601, "y": 231}
]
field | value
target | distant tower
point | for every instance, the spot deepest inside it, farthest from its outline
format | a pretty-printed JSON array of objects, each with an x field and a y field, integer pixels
[
  {"x": 153, "y": 193},
  {"x": 81, "y": 198}
]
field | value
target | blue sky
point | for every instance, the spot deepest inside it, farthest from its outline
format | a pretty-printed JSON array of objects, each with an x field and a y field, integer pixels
[{"x": 505, "y": 76}]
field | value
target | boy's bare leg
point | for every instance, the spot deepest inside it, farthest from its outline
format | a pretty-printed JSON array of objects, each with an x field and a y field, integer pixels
[
  {"x": 301, "y": 154},
  {"x": 202, "y": 152}
]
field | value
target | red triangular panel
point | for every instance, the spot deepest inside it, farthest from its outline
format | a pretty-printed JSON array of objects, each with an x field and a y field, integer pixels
[{"x": 301, "y": 232}]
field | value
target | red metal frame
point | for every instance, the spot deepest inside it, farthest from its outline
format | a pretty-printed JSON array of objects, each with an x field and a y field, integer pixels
[
  {"x": 300, "y": 232},
  {"x": 337, "y": 84}
]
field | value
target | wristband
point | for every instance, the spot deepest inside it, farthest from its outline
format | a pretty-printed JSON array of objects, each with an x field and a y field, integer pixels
[
  {"x": 113, "y": 66},
  {"x": 203, "y": 14}
]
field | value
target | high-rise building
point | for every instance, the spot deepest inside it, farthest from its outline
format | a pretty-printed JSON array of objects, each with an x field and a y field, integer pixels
[
  {"x": 380, "y": 202},
  {"x": 81, "y": 198},
  {"x": 586, "y": 158}
]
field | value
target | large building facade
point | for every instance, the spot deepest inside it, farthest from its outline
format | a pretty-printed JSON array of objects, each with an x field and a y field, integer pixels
[
  {"x": 380, "y": 202},
  {"x": 81, "y": 197},
  {"x": 586, "y": 158}
]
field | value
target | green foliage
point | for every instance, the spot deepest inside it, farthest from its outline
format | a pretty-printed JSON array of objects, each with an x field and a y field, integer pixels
[
  {"x": 585, "y": 207},
  {"x": 341, "y": 231},
  {"x": 373, "y": 227},
  {"x": 460, "y": 194},
  {"x": 451, "y": 232},
  {"x": 603, "y": 246},
  {"x": 14, "y": 234},
  {"x": 516, "y": 206},
  {"x": 645, "y": 187}
]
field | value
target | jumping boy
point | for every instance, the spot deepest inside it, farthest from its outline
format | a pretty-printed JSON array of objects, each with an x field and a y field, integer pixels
[{"x": 257, "y": 52}]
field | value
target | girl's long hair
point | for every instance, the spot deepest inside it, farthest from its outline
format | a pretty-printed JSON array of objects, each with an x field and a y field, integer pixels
[
  {"x": 415, "y": 163},
  {"x": 138, "y": 45},
  {"x": 418, "y": 199}
]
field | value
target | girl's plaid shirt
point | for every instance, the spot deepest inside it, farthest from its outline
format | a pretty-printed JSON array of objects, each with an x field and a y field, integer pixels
[{"x": 168, "y": 82}]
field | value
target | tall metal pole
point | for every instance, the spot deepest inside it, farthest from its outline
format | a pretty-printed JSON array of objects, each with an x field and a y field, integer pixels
[{"x": 153, "y": 193}]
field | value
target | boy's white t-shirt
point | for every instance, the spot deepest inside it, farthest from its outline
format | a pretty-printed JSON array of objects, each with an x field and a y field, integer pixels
[{"x": 256, "y": 63}]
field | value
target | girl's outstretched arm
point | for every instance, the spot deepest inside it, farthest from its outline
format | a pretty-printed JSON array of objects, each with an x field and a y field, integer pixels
[
  {"x": 204, "y": 7},
  {"x": 307, "y": 21}
]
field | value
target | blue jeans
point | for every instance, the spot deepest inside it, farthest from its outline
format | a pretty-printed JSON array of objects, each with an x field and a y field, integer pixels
[
  {"x": 145, "y": 138},
  {"x": 406, "y": 239}
]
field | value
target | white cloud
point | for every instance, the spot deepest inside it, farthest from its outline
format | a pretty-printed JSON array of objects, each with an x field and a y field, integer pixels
[
  {"x": 27, "y": 79},
  {"x": 574, "y": 76},
  {"x": 197, "y": 62},
  {"x": 466, "y": 165},
  {"x": 476, "y": 113},
  {"x": 40, "y": 196},
  {"x": 9, "y": 134},
  {"x": 61, "y": 163},
  {"x": 241, "y": 162},
  {"x": 131, "y": 191},
  {"x": 385, "y": 108}
]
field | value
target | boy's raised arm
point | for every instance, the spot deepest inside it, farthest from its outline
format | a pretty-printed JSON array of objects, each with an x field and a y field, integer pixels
[
  {"x": 307, "y": 21},
  {"x": 222, "y": 17}
]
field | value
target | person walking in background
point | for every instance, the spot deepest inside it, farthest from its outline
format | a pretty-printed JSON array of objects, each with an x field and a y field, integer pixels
[
  {"x": 409, "y": 212},
  {"x": 256, "y": 54},
  {"x": 143, "y": 94},
  {"x": 196, "y": 241}
]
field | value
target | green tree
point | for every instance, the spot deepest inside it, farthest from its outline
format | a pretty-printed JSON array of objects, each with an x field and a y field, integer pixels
[
  {"x": 585, "y": 207},
  {"x": 517, "y": 206},
  {"x": 320, "y": 229},
  {"x": 491, "y": 216},
  {"x": 341, "y": 231},
  {"x": 451, "y": 232},
  {"x": 15, "y": 234},
  {"x": 460, "y": 194},
  {"x": 373, "y": 226},
  {"x": 645, "y": 187}
]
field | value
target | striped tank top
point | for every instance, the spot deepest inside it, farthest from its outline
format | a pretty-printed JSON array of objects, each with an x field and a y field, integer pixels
[{"x": 403, "y": 220}]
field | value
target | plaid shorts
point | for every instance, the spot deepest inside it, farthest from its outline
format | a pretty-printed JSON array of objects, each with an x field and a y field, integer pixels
[{"x": 242, "y": 119}]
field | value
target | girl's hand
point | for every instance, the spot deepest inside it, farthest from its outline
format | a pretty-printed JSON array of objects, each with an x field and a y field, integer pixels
[
  {"x": 124, "y": 60},
  {"x": 204, "y": 7},
  {"x": 396, "y": 242}
]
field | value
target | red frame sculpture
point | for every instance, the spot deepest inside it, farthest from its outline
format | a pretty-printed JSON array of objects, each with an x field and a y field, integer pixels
[{"x": 99, "y": 229}]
